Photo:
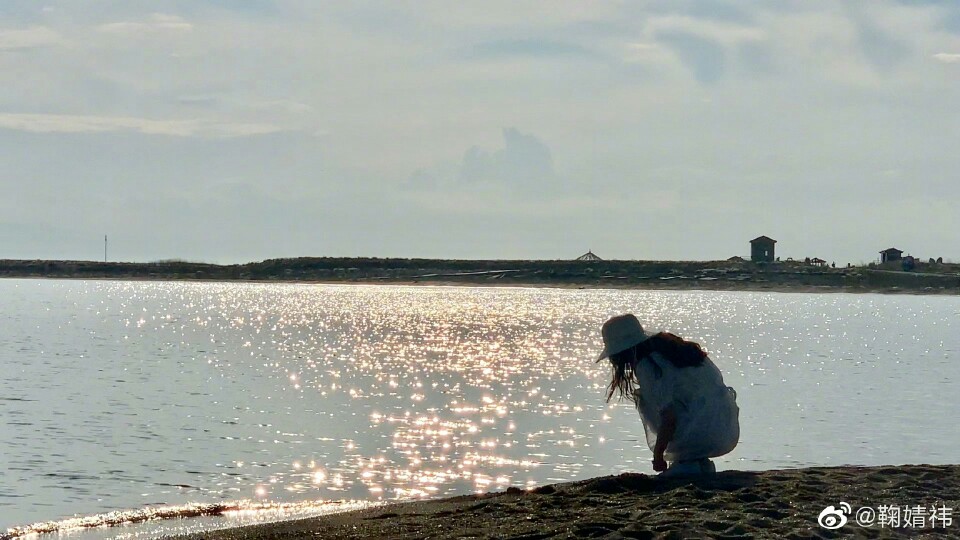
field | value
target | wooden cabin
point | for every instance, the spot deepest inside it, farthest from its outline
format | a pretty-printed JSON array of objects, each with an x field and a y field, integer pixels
[
  {"x": 890, "y": 255},
  {"x": 762, "y": 249}
]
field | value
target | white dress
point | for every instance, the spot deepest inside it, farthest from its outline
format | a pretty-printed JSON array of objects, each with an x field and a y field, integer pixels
[{"x": 707, "y": 415}]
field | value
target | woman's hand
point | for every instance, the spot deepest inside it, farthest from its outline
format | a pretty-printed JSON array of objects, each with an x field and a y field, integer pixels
[{"x": 668, "y": 427}]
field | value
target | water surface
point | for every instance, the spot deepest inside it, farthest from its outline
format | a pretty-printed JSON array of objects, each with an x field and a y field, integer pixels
[{"x": 120, "y": 395}]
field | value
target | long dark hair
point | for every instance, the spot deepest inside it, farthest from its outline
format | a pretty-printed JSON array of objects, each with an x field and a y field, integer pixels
[{"x": 678, "y": 351}]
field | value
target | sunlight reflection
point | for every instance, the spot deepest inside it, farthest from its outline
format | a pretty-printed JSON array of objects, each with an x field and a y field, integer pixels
[{"x": 384, "y": 393}]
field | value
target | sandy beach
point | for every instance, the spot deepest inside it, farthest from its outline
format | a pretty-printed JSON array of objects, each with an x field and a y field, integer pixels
[{"x": 733, "y": 504}]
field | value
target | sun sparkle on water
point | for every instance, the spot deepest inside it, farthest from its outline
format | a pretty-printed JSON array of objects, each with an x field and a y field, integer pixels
[{"x": 281, "y": 393}]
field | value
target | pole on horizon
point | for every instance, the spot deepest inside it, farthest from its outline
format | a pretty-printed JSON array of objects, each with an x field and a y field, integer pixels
[{"x": 104, "y": 248}]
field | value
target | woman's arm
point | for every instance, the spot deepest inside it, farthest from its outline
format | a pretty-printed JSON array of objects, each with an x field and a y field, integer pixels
[{"x": 668, "y": 427}]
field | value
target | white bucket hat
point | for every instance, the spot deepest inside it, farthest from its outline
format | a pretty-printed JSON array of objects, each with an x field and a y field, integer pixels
[{"x": 620, "y": 333}]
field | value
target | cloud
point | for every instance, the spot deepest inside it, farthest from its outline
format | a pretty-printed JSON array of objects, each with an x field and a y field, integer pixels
[
  {"x": 281, "y": 105},
  {"x": 529, "y": 48},
  {"x": 421, "y": 179},
  {"x": 199, "y": 100},
  {"x": 880, "y": 47},
  {"x": 948, "y": 58},
  {"x": 28, "y": 38},
  {"x": 720, "y": 32},
  {"x": 524, "y": 159},
  {"x": 706, "y": 58},
  {"x": 523, "y": 162},
  {"x": 54, "y": 123},
  {"x": 155, "y": 23},
  {"x": 701, "y": 44},
  {"x": 211, "y": 101},
  {"x": 647, "y": 55}
]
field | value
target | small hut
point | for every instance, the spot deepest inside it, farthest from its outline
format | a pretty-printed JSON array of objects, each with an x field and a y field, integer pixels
[
  {"x": 890, "y": 255},
  {"x": 761, "y": 249},
  {"x": 589, "y": 256}
]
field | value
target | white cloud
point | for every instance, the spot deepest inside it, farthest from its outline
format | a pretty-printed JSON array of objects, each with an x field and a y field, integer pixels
[
  {"x": 524, "y": 162},
  {"x": 282, "y": 105},
  {"x": 523, "y": 159},
  {"x": 948, "y": 58},
  {"x": 156, "y": 22},
  {"x": 724, "y": 33},
  {"x": 54, "y": 123},
  {"x": 646, "y": 53},
  {"x": 509, "y": 12},
  {"x": 28, "y": 38},
  {"x": 820, "y": 46}
]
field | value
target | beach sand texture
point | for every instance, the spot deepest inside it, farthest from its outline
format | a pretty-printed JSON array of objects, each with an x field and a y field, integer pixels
[{"x": 733, "y": 504}]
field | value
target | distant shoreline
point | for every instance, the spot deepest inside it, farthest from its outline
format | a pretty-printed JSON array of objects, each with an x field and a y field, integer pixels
[{"x": 642, "y": 275}]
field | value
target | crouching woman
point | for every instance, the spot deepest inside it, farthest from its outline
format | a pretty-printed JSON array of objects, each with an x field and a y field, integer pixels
[{"x": 688, "y": 413}]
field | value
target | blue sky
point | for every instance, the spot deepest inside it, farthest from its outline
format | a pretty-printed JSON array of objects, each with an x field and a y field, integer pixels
[{"x": 238, "y": 131}]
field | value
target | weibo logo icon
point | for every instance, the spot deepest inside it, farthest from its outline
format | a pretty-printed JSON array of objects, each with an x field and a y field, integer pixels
[{"x": 833, "y": 518}]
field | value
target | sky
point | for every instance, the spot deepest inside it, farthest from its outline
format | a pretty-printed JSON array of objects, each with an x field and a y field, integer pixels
[{"x": 242, "y": 130}]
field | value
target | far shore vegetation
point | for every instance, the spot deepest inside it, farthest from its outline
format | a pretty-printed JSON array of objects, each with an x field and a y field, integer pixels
[{"x": 932, "y": 277}]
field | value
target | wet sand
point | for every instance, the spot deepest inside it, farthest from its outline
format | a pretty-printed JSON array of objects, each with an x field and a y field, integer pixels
[{"x": 733, "y": 504}]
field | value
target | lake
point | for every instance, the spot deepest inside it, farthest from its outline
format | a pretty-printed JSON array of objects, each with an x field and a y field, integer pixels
[{"x": 304, "y": 398}]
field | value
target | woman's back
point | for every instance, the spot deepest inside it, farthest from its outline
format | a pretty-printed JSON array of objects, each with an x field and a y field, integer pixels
[{"x": 705, "y": 408}]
